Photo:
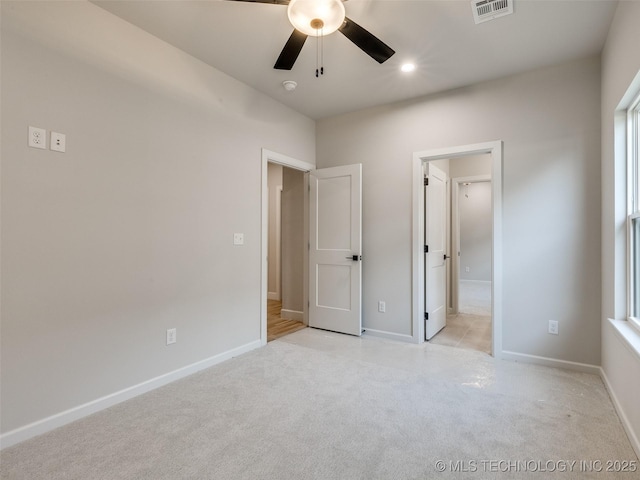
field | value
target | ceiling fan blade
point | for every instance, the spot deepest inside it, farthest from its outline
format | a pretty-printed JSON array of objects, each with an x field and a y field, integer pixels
[
  {"x": 367, "y": 42},
  {"x": 277, "y": 2},
  {"x": 291, "y": 50}
]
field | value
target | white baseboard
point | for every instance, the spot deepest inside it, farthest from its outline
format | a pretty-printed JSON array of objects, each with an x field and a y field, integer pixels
[
  {"x": 484, "y": 282},
  {"x": 273, "y": 296},
  {"x": 550, "y": 362},
  {"x": 633, "y": 437},
  {"x": 389, "y": 335},
  {"x": 292, "y": 315},
  {"x": 59, "y": 419}
]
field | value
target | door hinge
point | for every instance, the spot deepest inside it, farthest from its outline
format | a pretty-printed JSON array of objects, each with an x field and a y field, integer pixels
[
  {"x": 426, "y": 315},
  {"x": 426, "y": 249},
  {"x": 426, "y": 181}
]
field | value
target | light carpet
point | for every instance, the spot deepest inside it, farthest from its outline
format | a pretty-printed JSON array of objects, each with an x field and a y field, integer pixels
[{"x": 318, "y": 405}]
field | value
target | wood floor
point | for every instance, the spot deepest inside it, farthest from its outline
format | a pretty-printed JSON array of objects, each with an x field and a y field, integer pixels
[{"x": 276, "y": 325}]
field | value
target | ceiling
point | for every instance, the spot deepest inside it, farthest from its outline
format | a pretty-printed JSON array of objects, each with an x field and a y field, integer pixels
[{"x": 243, "y": 39}]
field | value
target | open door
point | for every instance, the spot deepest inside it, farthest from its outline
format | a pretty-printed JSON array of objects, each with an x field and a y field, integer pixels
[
  {"x": 335, "y": 249},
  {"x": 435, "y": 268}
]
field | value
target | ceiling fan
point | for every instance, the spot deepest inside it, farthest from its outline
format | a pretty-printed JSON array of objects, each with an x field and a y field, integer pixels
[{"x": 319, "y": 18}]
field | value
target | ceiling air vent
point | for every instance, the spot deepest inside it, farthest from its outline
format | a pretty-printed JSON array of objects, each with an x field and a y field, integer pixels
[{"x": 485, "y": 10}]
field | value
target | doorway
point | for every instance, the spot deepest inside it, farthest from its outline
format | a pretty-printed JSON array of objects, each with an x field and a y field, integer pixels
[
  {"x": 492, "y": 154},
  {"x": 328, "y": 304},
  {"x": 301, "y": 168},
  {"x": 469, "y": 276},
  {"x": 285, "y": 242}
]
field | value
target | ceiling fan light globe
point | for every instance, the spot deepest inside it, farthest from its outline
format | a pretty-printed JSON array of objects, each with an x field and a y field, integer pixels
[{"x": 305, "y": 13}]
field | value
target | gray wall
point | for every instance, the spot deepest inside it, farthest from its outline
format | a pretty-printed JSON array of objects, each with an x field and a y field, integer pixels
[
  {"x": 476, "y": 221},
  {"x": 620, "y": 64},
  {"x": 292, "y": 239},
  {"x": 131, "y": 231},
  {"x": 274, "y": 184},
  {"x": 549, "y": 122},
  {"x": 469, "y": 166}
]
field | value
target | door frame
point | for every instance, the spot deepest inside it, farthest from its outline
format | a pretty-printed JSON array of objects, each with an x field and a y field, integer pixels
[
  {"x": 455, "y": 234},
  {"x": 269, "y": 156},
  {"x": 495, "y": 149}
]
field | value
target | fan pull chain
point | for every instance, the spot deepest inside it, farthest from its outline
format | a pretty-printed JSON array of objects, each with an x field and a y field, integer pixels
[{"x": 320, "y": 53}]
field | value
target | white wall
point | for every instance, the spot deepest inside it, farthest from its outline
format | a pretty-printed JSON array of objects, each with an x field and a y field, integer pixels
[
  {"x": 131, "y": 231},
  {"x": 549, "y": 122},
  {"x": 474, "y": 206},
  {"x": 620, "y": 363}
]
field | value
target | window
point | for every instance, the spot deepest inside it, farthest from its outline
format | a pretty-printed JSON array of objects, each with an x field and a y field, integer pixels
[{"x": 633, "y": 209}]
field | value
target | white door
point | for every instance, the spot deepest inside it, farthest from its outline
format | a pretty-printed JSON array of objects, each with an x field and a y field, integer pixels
[
  {"x": 435, "y": 288},
  {"x": 335, "y": 249}
]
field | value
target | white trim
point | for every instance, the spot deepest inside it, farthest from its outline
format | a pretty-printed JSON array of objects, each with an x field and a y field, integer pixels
[
  {"x": 626, "y": 424},
  {"x": 273, "y": 157},
  {"x": 292, "y": 315},
  {"x": 389, "y": 335},
  {"x": 551, "y": 362},
  {"x": 633, "y": 201},
  {"x": 496, "y": 151},
  {"x": 59, "y": 419},
  {"x": 623, "y": 174},
  {"x": 485, "y": 282},
  {"x": 628, "y": 334}
]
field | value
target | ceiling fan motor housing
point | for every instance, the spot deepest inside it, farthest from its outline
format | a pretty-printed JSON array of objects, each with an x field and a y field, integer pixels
[
  {"x": 316, "y": 17},
  {"x": 321, "y": 17}
]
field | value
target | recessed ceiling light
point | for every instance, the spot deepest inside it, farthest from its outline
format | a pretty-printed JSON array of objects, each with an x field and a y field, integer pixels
[{"x": 408, "y": 67}]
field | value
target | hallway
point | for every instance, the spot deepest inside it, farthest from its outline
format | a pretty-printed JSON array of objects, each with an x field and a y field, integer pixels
[
  {"x": 276, "y": 325},
  {"x": 470, "y": 328}
]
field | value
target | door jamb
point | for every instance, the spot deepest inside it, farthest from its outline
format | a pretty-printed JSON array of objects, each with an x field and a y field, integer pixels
[
  {"x": 495, "y": 149},
  {"x": 269, "y": 156}
]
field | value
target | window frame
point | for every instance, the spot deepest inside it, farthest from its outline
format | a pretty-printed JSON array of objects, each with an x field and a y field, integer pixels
[{"x": 633, "y": 208}]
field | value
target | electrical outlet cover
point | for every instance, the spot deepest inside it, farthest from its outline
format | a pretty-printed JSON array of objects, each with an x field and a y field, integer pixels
[
  {"x": 37, "y": 138},
  {"x": 171, "y": 336},
  {"x": 58, "y": 142}
]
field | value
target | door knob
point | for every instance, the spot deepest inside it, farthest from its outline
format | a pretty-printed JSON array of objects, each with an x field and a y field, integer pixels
[{"x": 355, "y": 258}]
